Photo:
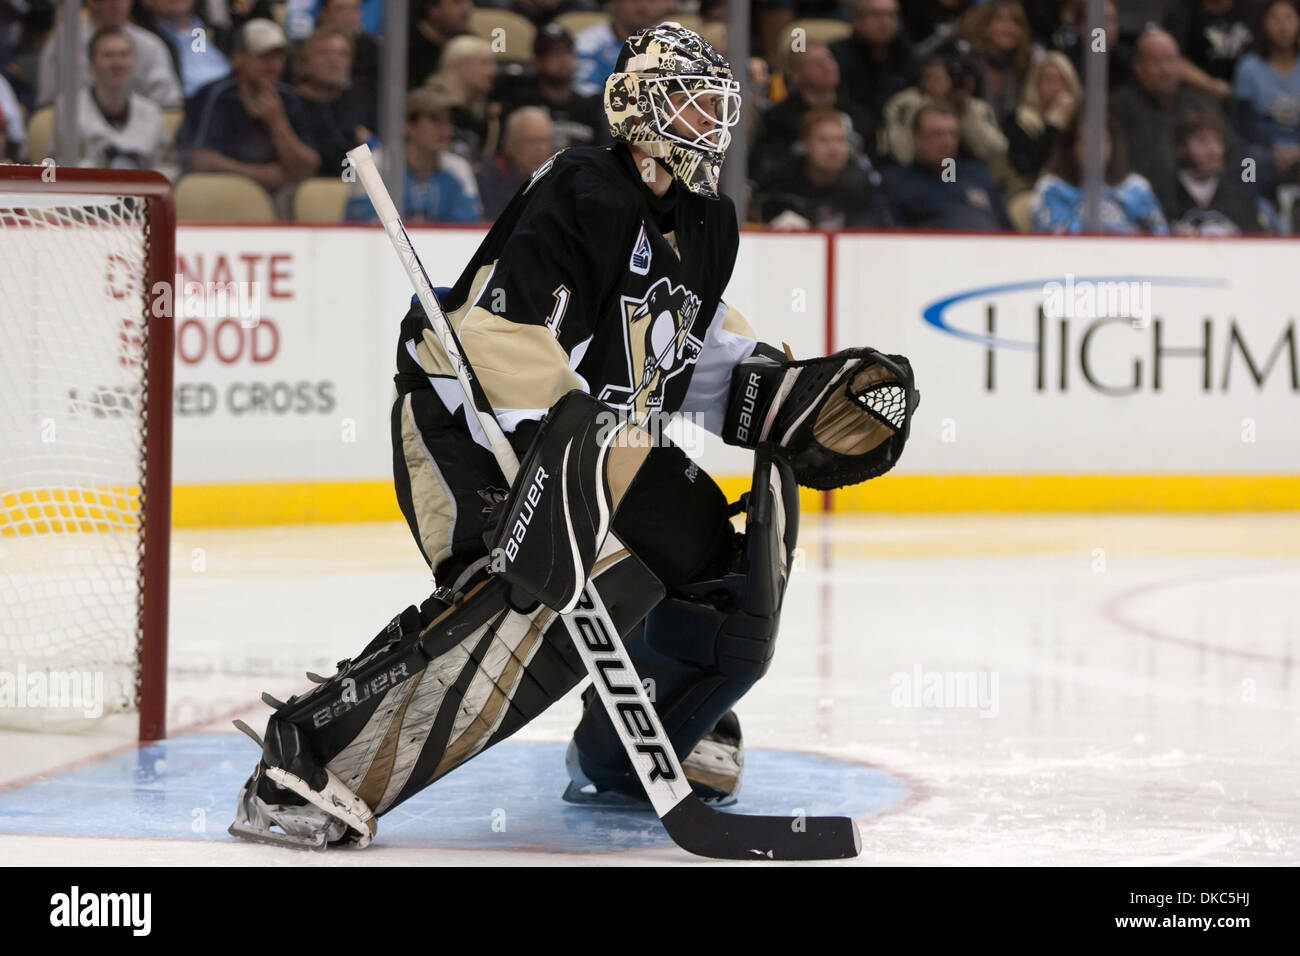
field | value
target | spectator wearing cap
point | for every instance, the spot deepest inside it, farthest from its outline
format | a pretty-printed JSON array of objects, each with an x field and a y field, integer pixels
[
  {"x": 348, "y": 16},
  {"x": 153, "y": 75},
  {"x": 467, "y": 73},
  {"x": 1051, "y": 98},
  {"x": 950, "y": 80},
  {"x": 822, "y": 188},
  {"x": 192, "y": 44},
  {"x": 1267, "y": 89},
  {"x": 876, "y": 60},
  {"x": 441, "y": 22},
  {"x": 439, "y": 185},
  {"x": 815, "y": 77},
  {"x": 1128, "y": 203},
  {"x": 335, "y": 113},
  {"x": 528, "y": 141},
  {"x": 938, "y": 190},
  {"x": 1207, "y": 199},
  {"x": 577, "y": 119},
  {"x": 118, "y": 128},
  {"x": 13, "y": 135},
  {"x": 598, "y": 46},
  {"x": 1147, "y": 110},
  {"x": 250, "y": 123}
]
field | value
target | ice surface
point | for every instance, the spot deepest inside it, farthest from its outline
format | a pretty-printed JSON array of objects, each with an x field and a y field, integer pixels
[{"x": 974, "y": 689}]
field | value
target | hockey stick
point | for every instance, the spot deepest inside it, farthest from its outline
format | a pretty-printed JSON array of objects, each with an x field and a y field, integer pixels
[{"x": 692, "y": 825}]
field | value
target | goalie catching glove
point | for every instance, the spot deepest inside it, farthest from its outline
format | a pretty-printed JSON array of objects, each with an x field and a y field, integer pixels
[{"x": 840, "y": 419}]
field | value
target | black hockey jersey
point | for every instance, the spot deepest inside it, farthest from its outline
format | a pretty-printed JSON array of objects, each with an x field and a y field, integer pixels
[{"x": 588, "y": 280}]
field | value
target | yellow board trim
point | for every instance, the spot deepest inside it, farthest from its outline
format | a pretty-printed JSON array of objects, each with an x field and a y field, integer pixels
[
  {"x": 326, "y": 502},
  {"x": 343, "y": 501},
  {"x": 314, "y": 502},
  {"x": 1146, "y": 493}
]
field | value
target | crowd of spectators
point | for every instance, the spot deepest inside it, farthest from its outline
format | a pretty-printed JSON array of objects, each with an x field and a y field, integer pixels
[{"x": 935, "y": 114}]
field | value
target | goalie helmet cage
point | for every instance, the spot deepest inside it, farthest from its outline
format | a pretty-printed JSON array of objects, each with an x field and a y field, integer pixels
[{"x": 86, "y": 354}]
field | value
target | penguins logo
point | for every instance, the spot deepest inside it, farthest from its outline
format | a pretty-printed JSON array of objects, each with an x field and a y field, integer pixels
[{"x": 658, "y": 342}]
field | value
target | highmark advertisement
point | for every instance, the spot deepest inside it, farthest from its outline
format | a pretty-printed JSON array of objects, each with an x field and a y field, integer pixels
[{"x": 1085, "y": 356}]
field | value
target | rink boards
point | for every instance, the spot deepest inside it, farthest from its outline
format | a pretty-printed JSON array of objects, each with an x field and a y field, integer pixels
[{"x": 1056, "y": 373}]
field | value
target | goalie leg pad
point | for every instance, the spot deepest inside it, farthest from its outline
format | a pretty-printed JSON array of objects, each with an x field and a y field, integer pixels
[
  {"x": 423, "y": 703},
  {"x": 710, "y": 642},
  {"x": 446, "y": 483}
]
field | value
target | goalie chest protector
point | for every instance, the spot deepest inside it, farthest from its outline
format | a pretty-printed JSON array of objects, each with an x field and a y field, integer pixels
[{"x": 627, "y": 282}]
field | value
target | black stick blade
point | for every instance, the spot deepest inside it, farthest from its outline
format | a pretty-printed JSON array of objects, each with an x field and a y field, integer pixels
[{"x": 736, "y": 836}]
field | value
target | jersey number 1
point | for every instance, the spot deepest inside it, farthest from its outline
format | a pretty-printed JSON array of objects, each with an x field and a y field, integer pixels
[{"x": 557, "y": 311}]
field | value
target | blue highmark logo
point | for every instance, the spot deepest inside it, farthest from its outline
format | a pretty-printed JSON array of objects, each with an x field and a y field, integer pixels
[
  {"x": 1066, "y": 297},
  {"x": 1102, "y": 334}
]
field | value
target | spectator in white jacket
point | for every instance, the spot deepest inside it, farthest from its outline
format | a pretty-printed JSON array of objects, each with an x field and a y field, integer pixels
[
  {"x": 118, "y": 128},
  {"x": 153, "y": 75}
]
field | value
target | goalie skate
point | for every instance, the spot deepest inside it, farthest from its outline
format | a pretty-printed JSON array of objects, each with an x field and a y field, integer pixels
[
  {"x": 279, "y": 808},
  {"x": 714, "y": 767},
  {"x": 283, "y": 819}
]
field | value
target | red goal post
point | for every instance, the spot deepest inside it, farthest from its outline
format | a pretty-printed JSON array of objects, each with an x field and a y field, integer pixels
[{"x": 79, "y": 217}]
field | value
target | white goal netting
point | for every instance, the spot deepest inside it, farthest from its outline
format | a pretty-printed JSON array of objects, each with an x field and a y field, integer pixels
[{"x": 73, "y": 367}]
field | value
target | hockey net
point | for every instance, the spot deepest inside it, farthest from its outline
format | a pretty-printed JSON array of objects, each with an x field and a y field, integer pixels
[{"x": 85, "y": 419}]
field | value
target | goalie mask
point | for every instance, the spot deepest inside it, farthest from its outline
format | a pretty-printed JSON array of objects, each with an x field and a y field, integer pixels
[{"x": 674, "y": 96}]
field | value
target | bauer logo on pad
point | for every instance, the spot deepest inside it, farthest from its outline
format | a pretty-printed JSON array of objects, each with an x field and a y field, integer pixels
[{"x": 640, "y": 261}]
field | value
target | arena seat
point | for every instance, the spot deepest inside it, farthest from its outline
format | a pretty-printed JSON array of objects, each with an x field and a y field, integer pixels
[
  {"x": 817, "y": 30},
  {"x": 40, "y": 131},
  {"x": 40, "y": 134},
  {"x": 172, "y": 119},
  {"x": 516, "y": 31},
  {"x": 321, "y": 199},
  {"x": 222, "y": 197},
  {"x": 1020, "y": 210}
]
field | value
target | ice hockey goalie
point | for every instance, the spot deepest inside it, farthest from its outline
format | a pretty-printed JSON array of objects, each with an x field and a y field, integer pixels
[{"x": 594, "y": 303}]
